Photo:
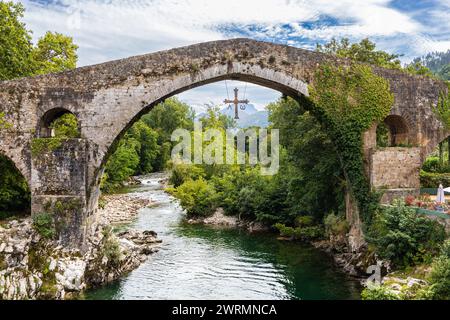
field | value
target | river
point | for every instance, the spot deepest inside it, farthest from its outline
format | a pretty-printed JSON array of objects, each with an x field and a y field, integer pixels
[{"x": 204, "y": 262}]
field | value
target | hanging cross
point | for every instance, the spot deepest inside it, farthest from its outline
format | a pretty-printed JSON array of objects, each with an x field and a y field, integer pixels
[{"x": 236, "y": 101}]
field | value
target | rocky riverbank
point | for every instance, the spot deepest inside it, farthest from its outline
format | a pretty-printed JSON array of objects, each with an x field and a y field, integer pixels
[
  {"x": 220, "y": 219},
  {"x": 32, "y": 267},
  {"x": 121, "y": 208}
]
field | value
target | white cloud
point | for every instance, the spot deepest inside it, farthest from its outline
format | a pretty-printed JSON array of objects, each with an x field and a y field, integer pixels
[{"x": 115, "y": 29}]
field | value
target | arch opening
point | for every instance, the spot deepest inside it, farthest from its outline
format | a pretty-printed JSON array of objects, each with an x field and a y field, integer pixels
[
  {"x": 435, "y": 168},
  {"x": 59, "y": 122},
  {"x": 264, "y": 77},
  {"x": 297, "y": 98},
  {"x": 392, "y": 132},
  {"x": 15, "y": 196}
]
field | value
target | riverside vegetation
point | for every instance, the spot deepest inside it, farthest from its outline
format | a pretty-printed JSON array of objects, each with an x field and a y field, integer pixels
[{"x": 304, "y": 201}]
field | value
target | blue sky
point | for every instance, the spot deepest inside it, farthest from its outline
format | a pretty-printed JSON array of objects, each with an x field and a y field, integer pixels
[{"x": 112, "y": 29}]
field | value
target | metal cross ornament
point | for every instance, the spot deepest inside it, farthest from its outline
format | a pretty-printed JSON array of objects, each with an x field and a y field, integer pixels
[{"x": 236, "y": 102}]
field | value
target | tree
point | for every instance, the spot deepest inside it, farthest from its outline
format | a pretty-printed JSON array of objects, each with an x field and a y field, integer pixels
[
  {"x": 66, "y": 126},
  {"x": 54, "y": 52},
  {"x": 15, "y": 43},
  {"x": 168, "y": 116},
  {"x": 14, "y": 192},
  {"x": 311, "y": 167},
  {"x": 364, "y": 51},
  {"x": 403, "y": 236},
  {"x": 148, "y": 148},
  {"x": 418, "y": 68},
  {"x": 122, "y": 164},
  {"x": 214, "y": 119},
  {"x": 165, "y": 118}
]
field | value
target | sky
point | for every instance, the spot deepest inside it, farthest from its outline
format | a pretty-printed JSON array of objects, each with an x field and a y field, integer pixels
[{"x": 111, "y": 29}]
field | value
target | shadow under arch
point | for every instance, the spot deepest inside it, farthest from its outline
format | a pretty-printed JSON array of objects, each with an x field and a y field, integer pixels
[
  {"x": 43, "y": 129},
  {"x": 15, "y": 198}
]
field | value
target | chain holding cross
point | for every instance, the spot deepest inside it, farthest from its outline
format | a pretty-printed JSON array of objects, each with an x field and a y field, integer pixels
[{"x": 236, "y": 102}]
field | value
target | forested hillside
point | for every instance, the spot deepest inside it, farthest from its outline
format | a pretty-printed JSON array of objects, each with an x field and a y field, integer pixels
[{"x": 438, "y": 63}]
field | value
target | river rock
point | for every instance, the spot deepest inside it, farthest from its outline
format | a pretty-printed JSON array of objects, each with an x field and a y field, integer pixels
[{"x": 35, "y": 268}]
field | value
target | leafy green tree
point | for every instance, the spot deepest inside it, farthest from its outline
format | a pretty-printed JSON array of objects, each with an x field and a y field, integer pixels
[
  {"x": 214, "y": 119},
  {"x": 442, "y": 109},
  {"x": 168, "y": 116},
  {"x": 444, "y": 72},
  {"x": 310, "y": 165},
  {"x": 122, "y": 164},
  {"x": 403, "y": 236},
  {"x": 55, "y": 52},
  {"x": 15, "y": 43},
  {"x": 148, "y": 147},
  {"x": 165, "y": 118},
  {"x": 20, "y": 58},
  {"x": 419, "y": 69},
  {"x": 437, "y": 62},
  {"x": 364, "y": 51},
  {"x": 197, "y": 197},
  {"x": 66, "y": 126}
]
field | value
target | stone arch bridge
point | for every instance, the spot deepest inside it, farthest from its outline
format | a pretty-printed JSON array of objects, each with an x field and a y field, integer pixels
[{"x": 107, "y": 98}]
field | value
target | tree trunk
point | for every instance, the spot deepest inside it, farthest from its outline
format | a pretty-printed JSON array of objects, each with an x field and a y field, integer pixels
[{"x": 441, "y": 154}]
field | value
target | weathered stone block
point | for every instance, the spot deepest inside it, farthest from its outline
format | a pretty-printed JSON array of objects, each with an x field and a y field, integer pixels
[
  {"x": 395, "y": 167},
  {"x": 58, "y": 168},
  {"x": 69, "y": 215}
]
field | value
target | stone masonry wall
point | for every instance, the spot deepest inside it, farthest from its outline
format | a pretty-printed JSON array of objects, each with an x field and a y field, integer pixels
[
  {"x": 395, "y": 167},
  {"x": 59, "y": 187}
]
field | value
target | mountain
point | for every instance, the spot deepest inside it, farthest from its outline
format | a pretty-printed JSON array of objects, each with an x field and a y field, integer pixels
[
  {"x": 437, "y": 62},
  {"x": 247, "y": 118}
]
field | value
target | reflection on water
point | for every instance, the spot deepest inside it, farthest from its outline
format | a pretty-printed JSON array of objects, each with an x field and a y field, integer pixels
[{"x": 203, "y": 262}]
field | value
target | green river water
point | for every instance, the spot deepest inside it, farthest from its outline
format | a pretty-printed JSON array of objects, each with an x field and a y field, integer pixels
[{"x": 203, "y": 262}]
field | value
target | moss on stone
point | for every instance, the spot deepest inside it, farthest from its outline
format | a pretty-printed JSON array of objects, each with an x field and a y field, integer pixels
[
  {"x": 44, "y": 224},
  {"x": 3, "y": 264},
  {"x": 43, "y": 145}
]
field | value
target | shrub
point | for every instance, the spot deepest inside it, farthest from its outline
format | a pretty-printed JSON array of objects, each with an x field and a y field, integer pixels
[
  {"x": 66, "y": 126},
  {"x": 431, "y": 164},
  {"x": 432, "y": 179},
  {"x": 409, "y": 200},
  {"x": 304, "y": 221},
  {"x": 335, "y": 225},
  {"x": 183, "y": 172},
  {"x": 378, "y": 292},
  {"x": 403, "y": 236},
  {"x": 445, "y": 249},
  {"x": 309, "y": 233},
  {"x": 44, "y": 224},
  {"x": 284, "y": 230},
  {"x": 300, "y": 233},
  {"x": 111, "y": 247},
  {"x": 382, "y": 135},
  {"x": 197, "y": 197},
  {"x": 439, "y": 277}
]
